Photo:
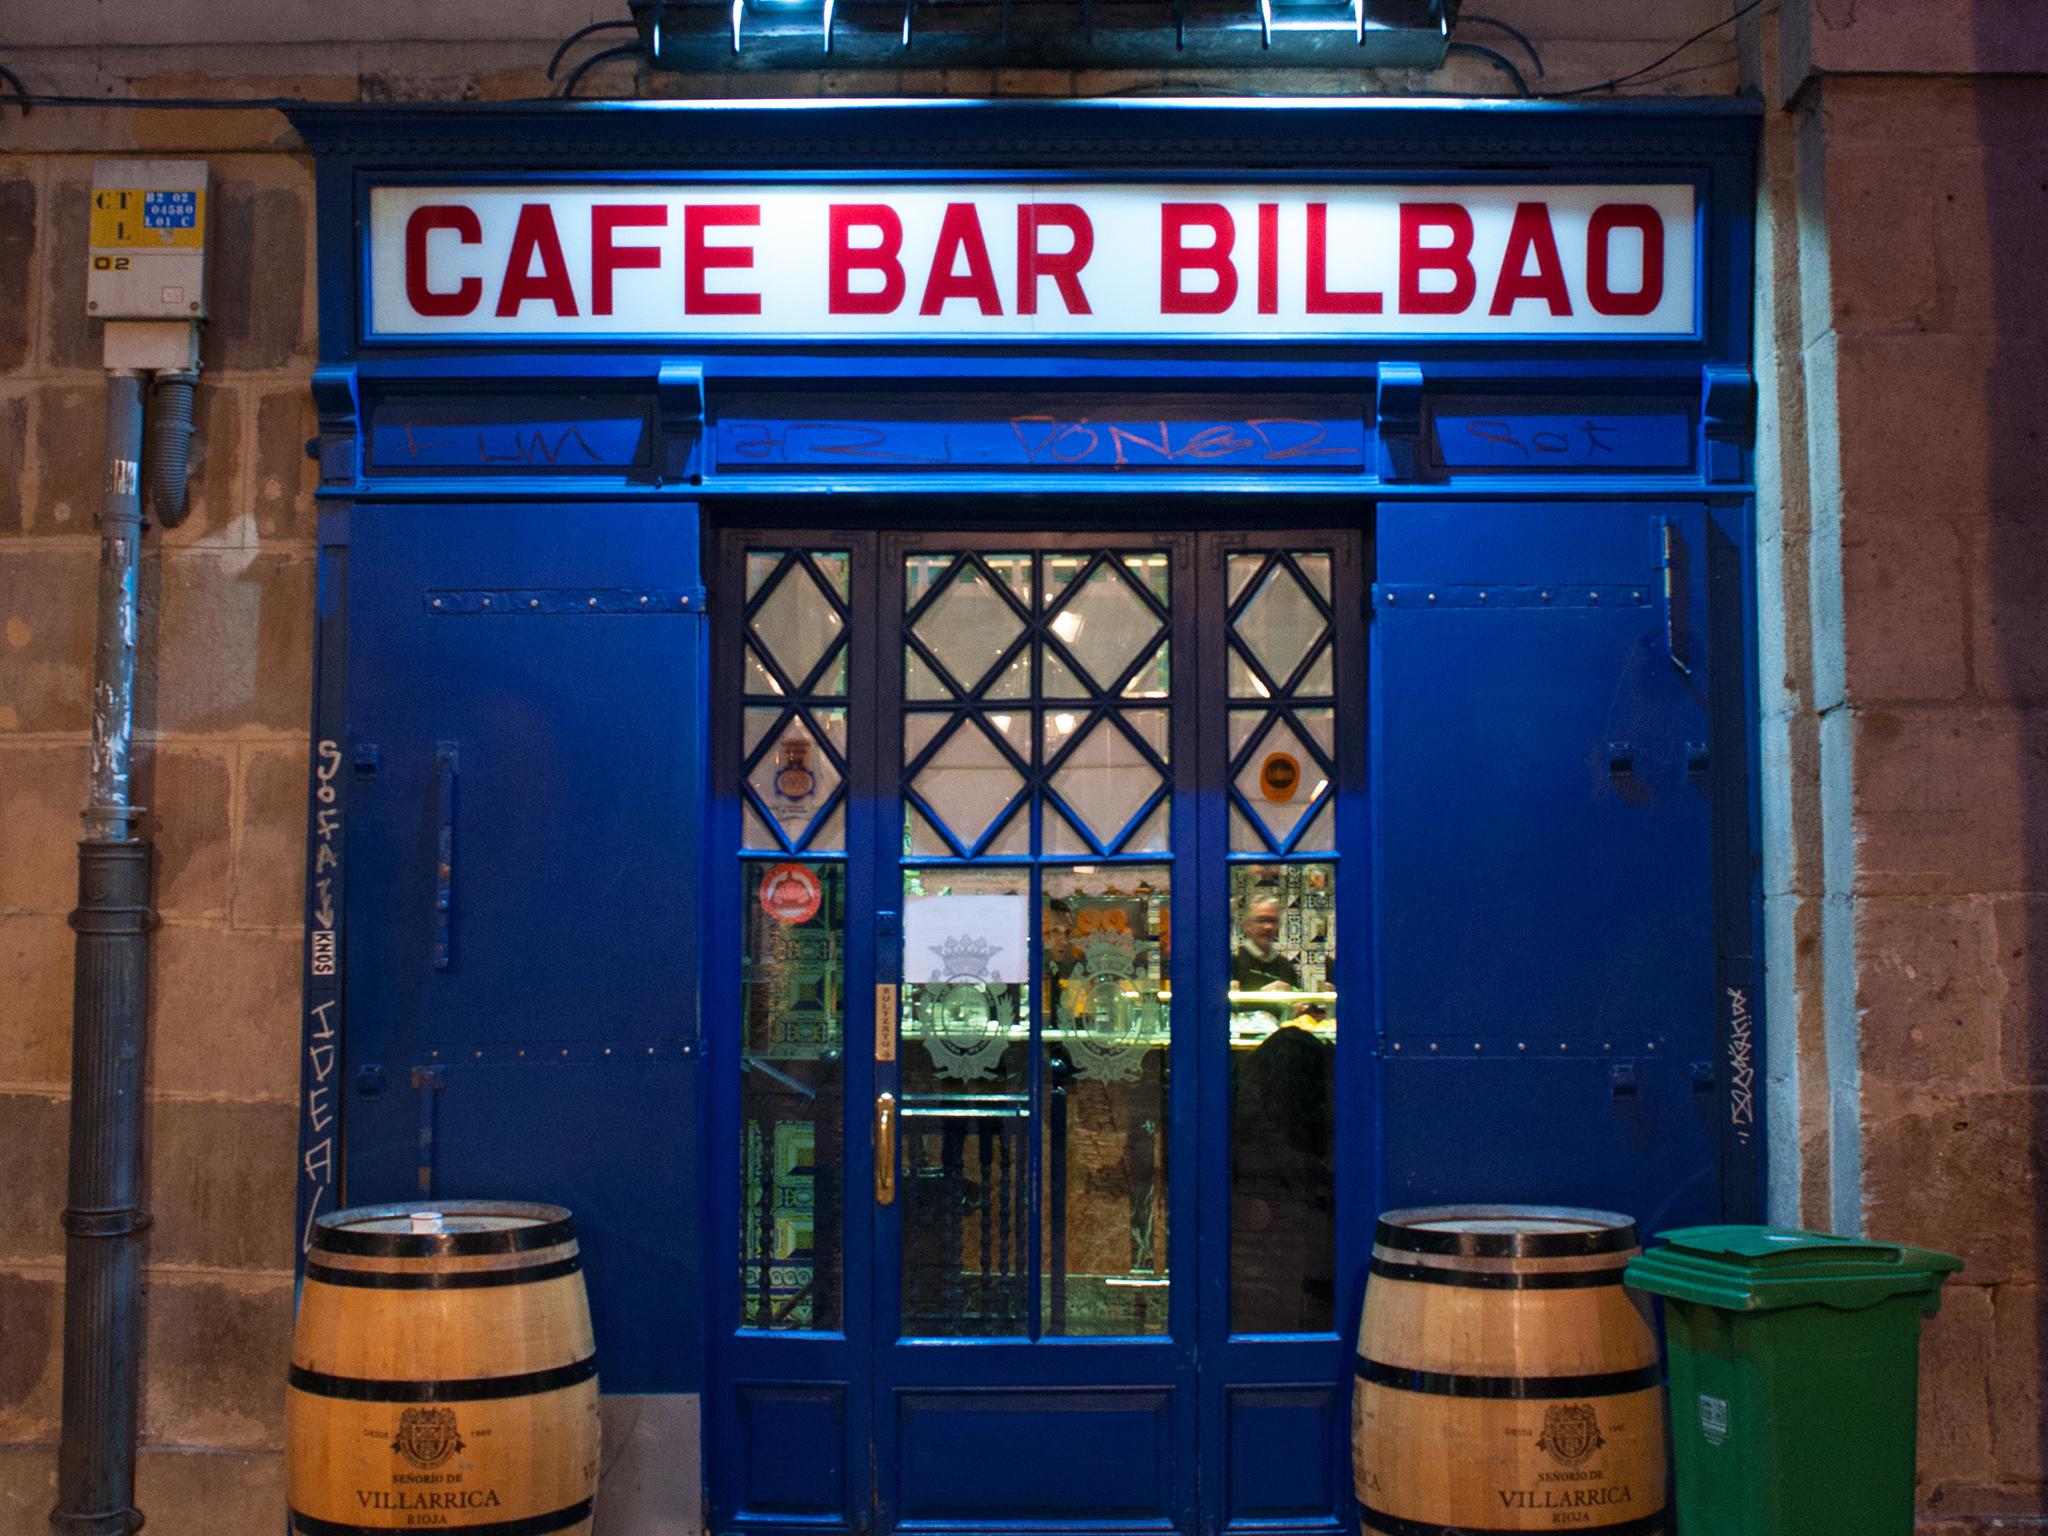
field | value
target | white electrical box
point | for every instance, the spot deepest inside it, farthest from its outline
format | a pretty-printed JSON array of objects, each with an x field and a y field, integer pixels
[{"x": 147, "y": 248}]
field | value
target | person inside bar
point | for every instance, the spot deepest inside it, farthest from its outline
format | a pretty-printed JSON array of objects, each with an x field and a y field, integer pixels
[{"x": 1282, "y": 1234}]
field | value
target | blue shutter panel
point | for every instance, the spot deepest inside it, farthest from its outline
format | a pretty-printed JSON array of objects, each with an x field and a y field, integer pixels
[
  {"x": 1547, "y": 965},
  {"x": 522, "y": 921}
]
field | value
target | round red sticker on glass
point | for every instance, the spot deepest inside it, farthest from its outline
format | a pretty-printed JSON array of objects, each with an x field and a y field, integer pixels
[{"x": 790, "y": 893}]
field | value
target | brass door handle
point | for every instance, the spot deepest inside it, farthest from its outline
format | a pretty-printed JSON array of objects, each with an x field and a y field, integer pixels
[{"x": 885, "y": 1149}]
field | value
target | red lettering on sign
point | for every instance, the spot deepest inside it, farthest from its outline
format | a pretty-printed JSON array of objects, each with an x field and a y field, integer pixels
[
  {"x": 1063, "y": 267},
  {"x": 1454, "y": 258},
  {"x": 424, "y": 298},
  {"x": 845, "y": 258},
  {"x": 608, "y": 257},
  {"x": 960, "y": 235},
  {"x": 1531, "y": 235},
  {"x": 535, "y": 235},
  {"x": 1269, "y": 258},
  {"x": 1177, "y": 258},
  {"x": 1607, "y": 218},
  {"x": 700, "y": 257},
  {"x": 1322, "y": 300}
]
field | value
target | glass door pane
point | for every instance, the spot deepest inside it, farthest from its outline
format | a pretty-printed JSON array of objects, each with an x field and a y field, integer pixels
[{"x": 1037, "y": 790}]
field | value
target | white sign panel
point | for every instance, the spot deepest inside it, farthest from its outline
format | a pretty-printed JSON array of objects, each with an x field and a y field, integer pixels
[
  {"x": 967, "y": 938},
  {"x": 995, "y": 260}
]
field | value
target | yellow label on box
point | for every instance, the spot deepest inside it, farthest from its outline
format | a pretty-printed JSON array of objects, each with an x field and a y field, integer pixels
[{"x": 135, "y": 218}]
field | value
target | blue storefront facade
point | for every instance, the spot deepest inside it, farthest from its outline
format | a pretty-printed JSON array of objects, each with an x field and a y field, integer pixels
[{"x": 977, "y": 730}]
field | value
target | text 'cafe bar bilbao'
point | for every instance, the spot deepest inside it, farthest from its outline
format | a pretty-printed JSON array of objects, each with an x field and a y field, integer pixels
[{"x": 1002, "y": 260}]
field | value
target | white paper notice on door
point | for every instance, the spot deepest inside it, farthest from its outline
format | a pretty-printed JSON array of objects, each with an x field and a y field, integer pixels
[{"x": 967, "y": 938}]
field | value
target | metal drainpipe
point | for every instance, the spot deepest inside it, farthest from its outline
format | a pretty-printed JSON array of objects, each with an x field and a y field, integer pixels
[{"x": 103, "y": 1218}]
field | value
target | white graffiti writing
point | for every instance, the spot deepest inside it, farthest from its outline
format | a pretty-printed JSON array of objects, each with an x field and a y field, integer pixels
[
  {"x": 323, "y": 965},
  {"x": 1741, "y": 1063}
]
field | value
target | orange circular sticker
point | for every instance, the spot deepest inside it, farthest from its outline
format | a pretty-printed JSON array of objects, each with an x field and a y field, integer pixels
[
  {"x": 790, "y": 893},
  {"x": 1279, "y": 774}
]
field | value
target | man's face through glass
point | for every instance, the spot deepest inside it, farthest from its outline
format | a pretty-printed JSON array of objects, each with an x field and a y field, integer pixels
[{"x": 1262, "y": 923}]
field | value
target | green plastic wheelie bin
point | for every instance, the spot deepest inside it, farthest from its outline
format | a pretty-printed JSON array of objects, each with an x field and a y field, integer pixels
[{"x": 1794, "y": 1361}]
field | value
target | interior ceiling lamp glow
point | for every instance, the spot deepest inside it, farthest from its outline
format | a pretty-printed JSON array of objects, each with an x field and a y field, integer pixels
[{"x": 695, "y": 35}]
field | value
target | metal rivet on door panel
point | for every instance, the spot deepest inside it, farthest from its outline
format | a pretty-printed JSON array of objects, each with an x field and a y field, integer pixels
[
  {"x": 591, "y": 602},
  {"x": 1592, "y": 597},
  {"x": 533, "y": 602},
  {"x": 437, "y": 602},
  {"x": 643, "y": 599},
  {"x": 487, "y": 602},
  {"x": 1546, "y": 597},
  {"x": 1432, "y": 597},
  {"x": 1432, "y": 1046}
]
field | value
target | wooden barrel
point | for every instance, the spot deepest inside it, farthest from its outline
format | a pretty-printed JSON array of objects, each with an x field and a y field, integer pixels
[
  {"x": 1506, "y": 1380},
  {"x": 443, "y": 1374}
]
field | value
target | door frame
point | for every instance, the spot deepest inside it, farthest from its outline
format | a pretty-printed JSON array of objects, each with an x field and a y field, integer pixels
[{"x": 1263, "y": 1371}]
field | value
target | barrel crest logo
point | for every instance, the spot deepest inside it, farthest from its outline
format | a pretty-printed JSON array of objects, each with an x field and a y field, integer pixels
[
  {"x": 427, "y": 1436},
  {"x": 1571, "y": 1433}
]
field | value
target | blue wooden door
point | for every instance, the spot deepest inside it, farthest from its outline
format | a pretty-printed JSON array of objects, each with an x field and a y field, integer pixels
[
  {"x": 524, "y": 692},
  {"x": 1032, "y": 927},
  {"x": 1546, "y": 687}
]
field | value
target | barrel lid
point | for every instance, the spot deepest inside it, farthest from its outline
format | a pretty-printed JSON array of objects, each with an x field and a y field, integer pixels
[
  {"x": 1506, "y": 1231},
  {"x": 424, "y": 1228}
]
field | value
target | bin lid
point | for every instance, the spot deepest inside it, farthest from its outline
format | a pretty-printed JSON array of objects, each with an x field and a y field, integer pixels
[{"x": 1756, "y": 1269}]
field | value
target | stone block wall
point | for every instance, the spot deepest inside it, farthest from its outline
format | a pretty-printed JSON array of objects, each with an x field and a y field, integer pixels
[
  {"x": 222, "y": 714},
  {"x": 1906, "y": 234}
]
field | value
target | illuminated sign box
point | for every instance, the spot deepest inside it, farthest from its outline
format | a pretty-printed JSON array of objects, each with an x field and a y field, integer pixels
[{"x": 1072, "y": 261}]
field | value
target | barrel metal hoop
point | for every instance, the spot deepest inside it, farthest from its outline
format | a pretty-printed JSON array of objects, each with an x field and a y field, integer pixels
[
  {"x": 440, "y": 1280},
  {"x": 531, "y": 1525},
  {"x": 364, "y": 1389},
  {"x": 1400, "y": 1230},
  {"x": 337, "y": 1233},
  {"x": 1499, "y": 1279},
  {"x": 1508, "y": 1388},
  {"x": 1394, "y": 1525}
]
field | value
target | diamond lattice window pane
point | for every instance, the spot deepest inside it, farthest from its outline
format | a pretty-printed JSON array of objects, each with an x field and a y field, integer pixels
[
  {"x": 1153, "y": 680},
  {"x": 1155, "y": 835},
  {"x": 796, "y": 622},
  {"x": 1105, "y": 624},
  {"x": 757, "y": 832},
  {"x": 968, "y": 782},
  {"x": 1280, "y": 623},
  {"x": 920, "y": 681},
  {"x": 833, "y": 723},
  {"x": 919, "y": 728},
  {"x": 1014, "y": 681},
  {"x": 1152, "y": 570},
  {"x": 1150, "y": 727},
  {"x": 919, "y": 837},
  {"x": 794, "y": 778},
  {"x": 1015, "y": 838},
  {"x": 1321, "y": 835},
  {"x": 1244, "y": 837},
  {"x": 1242, "y": 569},
  {"x": 759, "y": 722},
  {"x": 831, "y": 834},
  {"x": 761, "y": 565},
  {"x": 1317, "y": 569},
  {"x": 968, "y": 626},
  {"x": 1060, "y": 838},
  {"x": 1105, "y": 781},
  {"x": 835, "y": 564},
  {"x": 1060, "y": 571},
  {"x": 1243, "y": 722},
  {"x": 1320, "y": 681},
  {"x": 1244, "y": 682},
  {"x": 1281, "y": 780},
  {"x": 1321, "y": 724},
  {"x": 1060, "y": 682},
  {"x": 758, "y": 681}
]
